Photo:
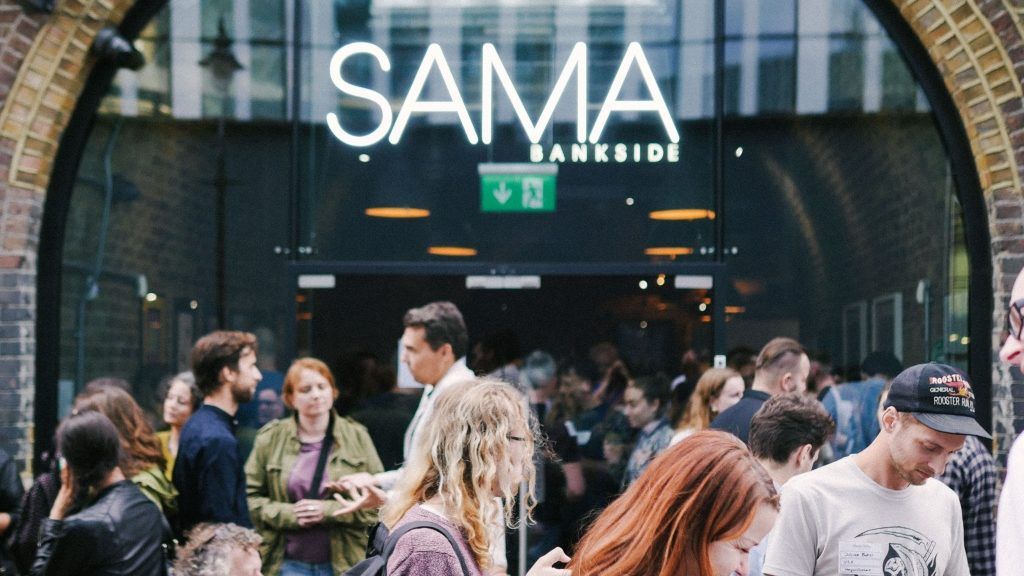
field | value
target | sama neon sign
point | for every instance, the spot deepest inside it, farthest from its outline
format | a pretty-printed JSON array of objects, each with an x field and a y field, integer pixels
[{"x": 434, "y": 62}]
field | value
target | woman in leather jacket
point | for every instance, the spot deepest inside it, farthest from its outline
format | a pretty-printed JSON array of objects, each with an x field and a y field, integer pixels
[{"x": 100, "y": 524}]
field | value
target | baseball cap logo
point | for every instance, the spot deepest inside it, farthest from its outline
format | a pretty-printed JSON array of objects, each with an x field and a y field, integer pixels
[
  {"x": 957, "y": 392},
  {"x": 939, "y": 396},
  {"x": 963, "y": 390}
]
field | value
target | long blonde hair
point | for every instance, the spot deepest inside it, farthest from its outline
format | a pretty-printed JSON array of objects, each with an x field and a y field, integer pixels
[
  {"x": 698, "y": 413},
  {"x": 462, "y": 453}
]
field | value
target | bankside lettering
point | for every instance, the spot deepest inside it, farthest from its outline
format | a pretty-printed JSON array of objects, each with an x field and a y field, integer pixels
[{"x": 599, "y": 153}]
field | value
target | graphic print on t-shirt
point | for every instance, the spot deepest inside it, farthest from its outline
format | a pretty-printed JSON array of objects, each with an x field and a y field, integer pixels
[{"x": 905, "y": 552}]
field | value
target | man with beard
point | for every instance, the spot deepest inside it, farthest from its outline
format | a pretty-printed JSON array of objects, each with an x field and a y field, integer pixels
[
  {"x": 881, "y": 511},
  {"x": 208, "y": 472}
]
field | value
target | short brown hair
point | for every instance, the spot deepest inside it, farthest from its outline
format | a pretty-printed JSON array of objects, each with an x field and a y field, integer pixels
[
  {"x": 215, "y": 351},
  {"x": 291, "y": 378},
  {"x": 653, "y": 388},
  {"x": 779, "y": 355},
  {"x": 442, "y": 324},
  {"x": 787, "y": 422}
]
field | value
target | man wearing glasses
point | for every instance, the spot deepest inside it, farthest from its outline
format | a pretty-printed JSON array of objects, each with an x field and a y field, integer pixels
[{"x": 1010, "y": 524}]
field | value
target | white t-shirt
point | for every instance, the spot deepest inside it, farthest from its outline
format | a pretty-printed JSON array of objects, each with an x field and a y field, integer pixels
[
  {"x": 1010, "y": 525},
  {"x": 836, "y": 521}
]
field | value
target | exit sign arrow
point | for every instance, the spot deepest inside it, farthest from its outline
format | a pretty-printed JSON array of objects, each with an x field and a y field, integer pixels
[{"x": 502, "y": 194}]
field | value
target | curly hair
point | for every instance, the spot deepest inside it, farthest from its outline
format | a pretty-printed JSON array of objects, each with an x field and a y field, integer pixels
[
  {"x": 185, "y": 378},
  {"x": 208, "y": 551},
  {"x": 463, "y": 453}
]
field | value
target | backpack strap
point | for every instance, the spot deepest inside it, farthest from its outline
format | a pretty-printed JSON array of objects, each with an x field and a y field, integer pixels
[
  {"x": 321, "y": 463},
  {"x": 392, "y": 541}
]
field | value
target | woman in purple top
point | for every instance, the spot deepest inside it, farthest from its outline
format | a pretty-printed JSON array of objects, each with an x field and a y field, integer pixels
[
  {"x": 304, "y": 531},
  {"x": 475, "y": 450}
]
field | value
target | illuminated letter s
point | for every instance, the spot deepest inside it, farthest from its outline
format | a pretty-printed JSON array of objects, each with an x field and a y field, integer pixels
[{"x": 377, "y": 98}]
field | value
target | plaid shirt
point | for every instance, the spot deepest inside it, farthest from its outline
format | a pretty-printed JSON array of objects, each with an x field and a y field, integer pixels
[{"x": 971, "y": 473}]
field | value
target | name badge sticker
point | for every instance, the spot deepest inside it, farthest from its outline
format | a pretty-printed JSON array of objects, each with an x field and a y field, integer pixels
[{"x": 861, "y": 558}]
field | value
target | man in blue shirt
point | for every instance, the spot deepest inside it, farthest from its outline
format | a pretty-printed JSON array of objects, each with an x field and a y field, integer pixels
[
  {"x": 854, "y": 405},
  {"x": 782, "y": 367},
  {"x": 208, "y": 471}
]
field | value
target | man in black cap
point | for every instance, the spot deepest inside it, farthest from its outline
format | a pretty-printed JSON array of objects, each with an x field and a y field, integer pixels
[{"x": 881, "y": 511}]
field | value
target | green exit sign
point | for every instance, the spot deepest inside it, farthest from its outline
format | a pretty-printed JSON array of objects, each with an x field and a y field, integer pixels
[{"x": 517, "y": 187}]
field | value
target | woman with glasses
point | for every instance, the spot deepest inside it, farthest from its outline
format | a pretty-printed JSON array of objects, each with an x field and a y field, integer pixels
[{"x": 473, "y": 454}]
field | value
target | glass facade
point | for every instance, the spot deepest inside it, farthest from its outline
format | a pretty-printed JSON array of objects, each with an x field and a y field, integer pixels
[{"x": 831, "y": 207}]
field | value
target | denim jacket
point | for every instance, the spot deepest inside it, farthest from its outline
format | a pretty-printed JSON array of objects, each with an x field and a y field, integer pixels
[{"x": 273, "y": 456}]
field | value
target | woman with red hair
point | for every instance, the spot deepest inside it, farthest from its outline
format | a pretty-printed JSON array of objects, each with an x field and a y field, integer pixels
[
  {"x": 697, "y": 510},
  {"x": 304, "y": 530}
]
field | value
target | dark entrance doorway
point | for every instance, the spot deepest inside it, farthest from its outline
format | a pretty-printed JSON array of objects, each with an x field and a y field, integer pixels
[{"x": 651, "y": 314}]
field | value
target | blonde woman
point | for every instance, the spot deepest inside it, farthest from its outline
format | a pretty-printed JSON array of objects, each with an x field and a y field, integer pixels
[
  {"x": 472, "y": 456},
  {"x": 717, "y": 390}
]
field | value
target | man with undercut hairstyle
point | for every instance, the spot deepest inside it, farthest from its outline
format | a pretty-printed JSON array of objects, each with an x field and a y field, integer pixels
[
  {"x": 881, "y": 511},
  {"x": 786, "y": 435},
  {"x": 782, "y": 366}
]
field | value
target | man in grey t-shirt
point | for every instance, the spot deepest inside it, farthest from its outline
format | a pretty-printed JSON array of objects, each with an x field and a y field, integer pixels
[{"x": 880, "y": 512}]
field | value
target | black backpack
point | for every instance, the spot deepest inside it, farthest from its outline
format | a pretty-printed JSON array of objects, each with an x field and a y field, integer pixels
[{"x": 382, "y": 544}]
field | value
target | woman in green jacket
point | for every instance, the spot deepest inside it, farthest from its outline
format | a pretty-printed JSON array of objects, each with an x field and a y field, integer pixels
[
  {"x": 142, "y": 458},
  {"x": 305, "y": 531}
]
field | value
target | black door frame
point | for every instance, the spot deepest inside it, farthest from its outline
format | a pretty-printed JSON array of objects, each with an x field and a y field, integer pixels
[
  {"x": 51, "y": 236},
  {"x": 968, "y": 190}
]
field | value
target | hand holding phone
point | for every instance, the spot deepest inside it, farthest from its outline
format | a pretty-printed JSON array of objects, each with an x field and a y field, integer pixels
[{"x": 66, "y": 495}]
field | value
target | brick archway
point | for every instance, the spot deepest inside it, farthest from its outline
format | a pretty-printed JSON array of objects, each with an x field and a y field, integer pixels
[
  {"x": 44, "y": 66},
  {"x": 977, "y": 46}
]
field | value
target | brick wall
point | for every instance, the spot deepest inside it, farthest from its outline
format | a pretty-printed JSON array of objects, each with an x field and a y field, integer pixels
[
  {"x": 168, "y": 235},
  {"x": 978, "y": 48},
  {"x": 43, "y": 66}
]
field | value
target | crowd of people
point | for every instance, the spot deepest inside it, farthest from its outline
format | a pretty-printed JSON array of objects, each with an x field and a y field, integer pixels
[{"x": 775, "y": 465}]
